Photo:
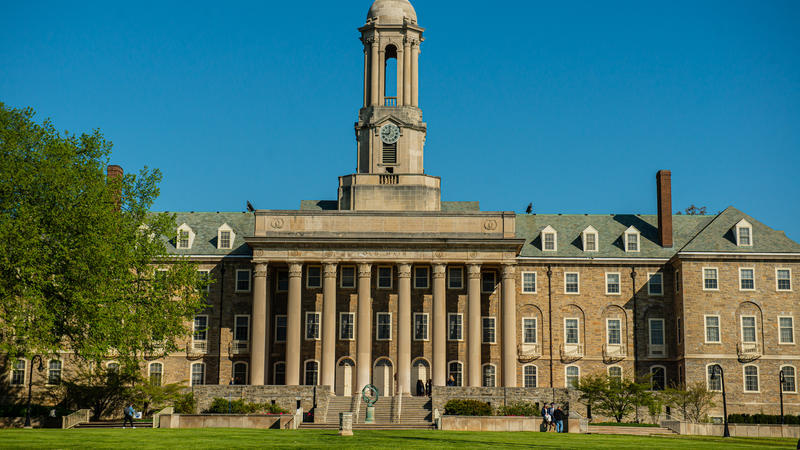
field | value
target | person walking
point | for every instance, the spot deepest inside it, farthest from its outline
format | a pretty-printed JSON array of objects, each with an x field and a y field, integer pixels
[
  {"x": 128, "y": 412},
  {"x": 558, "y": 417}
]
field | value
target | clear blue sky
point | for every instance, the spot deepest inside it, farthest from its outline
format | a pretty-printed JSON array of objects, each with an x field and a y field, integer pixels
[{"x": 571, "y": 105}]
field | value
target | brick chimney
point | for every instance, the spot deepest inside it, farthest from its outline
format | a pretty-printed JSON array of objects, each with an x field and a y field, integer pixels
[
  {"x": 114, "y": 174},
  {"x": 664, "y": 186}
]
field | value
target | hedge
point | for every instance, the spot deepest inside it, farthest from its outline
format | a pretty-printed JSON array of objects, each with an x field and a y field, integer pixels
[
  {"x": 519, "y": 409},
  {"x": 459, "y": 407},
  {"x": 239, "y": 406},
  {"x": 763, "y": 419}
]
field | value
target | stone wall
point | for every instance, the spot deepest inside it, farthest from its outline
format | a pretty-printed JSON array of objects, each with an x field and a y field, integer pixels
[
  {"x": 225, "y": 421},
  {"x": 498, "y": 397},
  {"x": 736, "y": 430},
  {"x": 310, "y": 397}
]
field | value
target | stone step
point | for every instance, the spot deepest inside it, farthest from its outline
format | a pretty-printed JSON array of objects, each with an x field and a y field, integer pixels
[
  {"x": 362, "y": 426},
  {"x": 113, "y": 424}
]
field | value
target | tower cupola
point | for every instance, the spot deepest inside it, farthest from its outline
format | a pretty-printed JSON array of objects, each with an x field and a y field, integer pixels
[{"x": 392, "y": 12}]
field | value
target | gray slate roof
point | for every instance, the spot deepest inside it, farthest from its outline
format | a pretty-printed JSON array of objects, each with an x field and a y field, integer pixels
[{"x": 205, "y": 226}]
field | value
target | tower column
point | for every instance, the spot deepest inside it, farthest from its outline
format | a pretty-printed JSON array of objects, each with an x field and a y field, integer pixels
[
  {"x": 366, "y": 77},
  {"x": 439, "y": 326},
  {"x": 293, "y": 325},
  {"x": 415, "y": 74},
  {"x": 509, "y": 327},
  {"x": 382, "y": 76},
  {"x": 474, "y": 325},
  {"x": 373, "y": 74},
  {"x": 329, "y": 326},
  {"x": 364, "y": 321},
  {"x": 407, "y": 72},
  {"x": 260, "y": 318},
  {"x": 404, "y": 329},
  {"x": 400, "y": 71}
]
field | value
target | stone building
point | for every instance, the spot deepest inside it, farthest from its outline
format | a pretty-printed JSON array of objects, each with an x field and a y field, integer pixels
[{"x": 389, "y": 285}]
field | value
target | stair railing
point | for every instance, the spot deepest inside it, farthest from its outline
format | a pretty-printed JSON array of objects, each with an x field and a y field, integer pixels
[{"x": 78, "y": 417}]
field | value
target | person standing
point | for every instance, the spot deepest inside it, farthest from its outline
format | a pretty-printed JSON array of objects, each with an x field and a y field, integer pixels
[
  {"x": 558, "y": 417},
  {"x": 451, "y": 381},
  {"x": 428, "y": 388},
  {"x": 129, "y": 412},
  {"x": 420, "y": 388}
]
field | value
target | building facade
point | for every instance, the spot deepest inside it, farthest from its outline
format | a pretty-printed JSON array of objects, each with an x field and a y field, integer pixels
[{"x": 389, "y": 285}]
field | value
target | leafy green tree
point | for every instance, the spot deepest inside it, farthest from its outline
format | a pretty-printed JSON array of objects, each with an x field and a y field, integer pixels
[
  {"x": 102, "y": 391},
  {"x": 593, "y": 389},
  {"x": 151, "y": 397},
  {"x": 76, "y": 270},
  {"x": 612, "y": 396},
  {"x": 693, "y": 400}
]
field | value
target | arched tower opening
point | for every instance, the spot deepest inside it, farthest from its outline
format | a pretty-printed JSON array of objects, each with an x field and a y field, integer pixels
[{"x": 391, "y": 76}]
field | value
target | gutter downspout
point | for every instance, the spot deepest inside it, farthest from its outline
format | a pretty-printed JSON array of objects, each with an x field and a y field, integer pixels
[
  {"x": 550, "y": 321},
  {"x": 221, "y": 296}
]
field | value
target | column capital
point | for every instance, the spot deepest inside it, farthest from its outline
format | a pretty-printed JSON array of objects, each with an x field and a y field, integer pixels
[
  {"x": 404, "y": 270},
  {"x": 329, "y": 270},
  {"x": 474, "y": 270},
  {"x": 364, "y": 270},
  {"x": 439, "y": 270},
  {"x": 509, "y": 270},
  {"x": 260, "y": 270},
  {"x": 295, "y": 270}
]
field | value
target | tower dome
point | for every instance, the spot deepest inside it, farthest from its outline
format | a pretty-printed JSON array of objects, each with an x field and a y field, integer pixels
[{"x": 392, "y": 12}]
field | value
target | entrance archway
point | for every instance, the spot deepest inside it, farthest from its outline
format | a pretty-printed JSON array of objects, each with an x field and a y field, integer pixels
[
  {"x": 383, "y": 377},
  {"x": 420, "y": 370},
  {"x": 345, "y": 374}
]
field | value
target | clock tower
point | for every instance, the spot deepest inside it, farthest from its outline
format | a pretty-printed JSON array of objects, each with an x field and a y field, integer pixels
[{"x": 390, "y": 131}]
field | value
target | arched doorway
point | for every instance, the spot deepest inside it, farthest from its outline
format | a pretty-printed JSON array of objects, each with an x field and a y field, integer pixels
[
  {"x": 383, "y": 377},
  {"x": 345, "y": 371},
  {"x": 420, "y": 370}
]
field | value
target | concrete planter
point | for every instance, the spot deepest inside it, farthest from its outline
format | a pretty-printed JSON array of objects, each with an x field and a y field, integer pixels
[
  {"x": 736, "y": 430},
  {"x": 490, "y": 423},
  {"x": 277, "y": 421}
]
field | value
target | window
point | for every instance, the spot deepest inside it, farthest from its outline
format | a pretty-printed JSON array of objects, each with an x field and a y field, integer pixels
[
  {"x": 156, "y": 371},
  {"x": 572, "y": 375},
  {"x": 751, "y": 378},
  {"x": 784, "y": 279},
  {"x": 677, "y": 280},
  {"x": 615, "y": 372},
  {"x": 679, "y": 329},
  {"x": 747, "y": 279},
  {"x": 612, "y": 283},
  {"x": 529, "y": 330},
  {"x": 713, "y": 378},
  {"x": 549, "y": 239},
  {"x": 383, "y": 326},
  {"x": 283, "y": 281},
  {"x": 390, "y": 153},
  {"x": 312, "y": 326},
  {"x": 205, "y": 275},
  {"x": 656, "y": 337},
  {"x": 456, "y": 370},
  {"x": 347, "y": 326},
  {"x": 455, "y": 327},
  {"x": 489, "y": 375},
  {"x": 571, "y": 335},
  {"x": 200, "y": 335},
  {"x": 712, "y": 330},
  {"x": 488, "y": 281},
  {"x": 280, "y": 328},
  {"x": 488, "y": 330},
  {"x": 240, "y": 373},
  {"x": 655, "y": 284},
  {"x": 788, "y": 384},
  {"x": 571, "y": 283},
  {"x": 614, "y": 331},
  {"x": 455, "y": 278},
  {"x": 348, "y": 277},
  {"x": 658, "y": 378},
  {"x": 420, "y": 326},
  {"x": 198, "y": 374},
  {"x": 710, "y": 279},
  {"x": 185, "y": 237},
  {"x": 786, "y": 330},
  {"x": 243, "y": 280},
  {"x": 241, "y": 330},
  {"x": 744, "y": 234},
  {"x": 225, "y": 237},
  {"x": 385, "y": 277},
  {"x": 748, "y": 329},
  {"x": 420, "y": 278},
  {"x": 529, "y": 376},
  {"x": 632, "y": 237},
  {"x": 589, "y": 236},
  {"x": 312, "y": 373},
  {"x": 528, "y": 282},
  {"x": 279, "y": 373},
  {"x": 314, "y": 277},
  {"x": 18, "y": 373}
]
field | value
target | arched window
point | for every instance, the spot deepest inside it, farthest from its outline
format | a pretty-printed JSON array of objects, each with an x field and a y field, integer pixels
[
  {"x": 489, "y": 375},
  {"x": 572, "y": 375},
  {"x": 615, "y": 372},
  {"x": 198, "y": 374},
  {"x": 529, "y": 376},
  {"x": 54, "y": 372},
  {"x": 312, "y": 373},
  {"x": 279, "y": 374},
  {"x": 155, "y": 373},
  {"x": 240, "y": 373},
  {"x": 456, "y": 370},
  {"x": 390, "y": 79},
  {"x": 658, "y": 378},
  {"x": 789, "y": 384}
]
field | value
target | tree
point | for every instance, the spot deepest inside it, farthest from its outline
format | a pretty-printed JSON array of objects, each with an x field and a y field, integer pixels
[
  {"x": 613, "y": 397},
  {"x": 95, "y": 388},
  {"x": 593, "y": 389},
  {"x": 693, "y": 400},
  {"x": 77, "y": 266}
]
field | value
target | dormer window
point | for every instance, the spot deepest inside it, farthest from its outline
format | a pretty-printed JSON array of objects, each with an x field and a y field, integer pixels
[
  {"x": 185, "y": 237},
  {"x": 225, "y": 237},
  {"x": 744, "y": 234},
  {"x": 632, "y": 239},
  {"x": 590, "y": 238},
  {"x": 549, "y": 239}
]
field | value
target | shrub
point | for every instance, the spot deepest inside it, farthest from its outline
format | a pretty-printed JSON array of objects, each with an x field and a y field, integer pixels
[
  {"x": 274, "y": 409},
  {"x": 460, "y": 407},
  {"x": 185, "y": 404},
  {"x": 19, "y": 409},
  {"x": 240, "y": 406},
  {"x": 763, "y": 419},
  {"x": 519, "y": 409}
]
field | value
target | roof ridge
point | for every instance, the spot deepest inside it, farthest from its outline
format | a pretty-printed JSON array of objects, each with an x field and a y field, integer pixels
[{"x": 716, "y": 216}]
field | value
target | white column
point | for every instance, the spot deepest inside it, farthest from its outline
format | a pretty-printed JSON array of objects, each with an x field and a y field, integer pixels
[
  {"x": 415, "y": 74},
  {"x": 407, "y": 72},
  {"x": 293, "y": 325},
  {"x": 404, "y": 328},
  {"x": 474, "y": 330},
  {"x": 509, "y": 327},
  {"x": 373, "y": 75},
  {"x": 364, "y": 323},
  {"x": 329, "y": 326},
  {"x": 439, "y": 326},
  {"x": 260, "y": 318}
]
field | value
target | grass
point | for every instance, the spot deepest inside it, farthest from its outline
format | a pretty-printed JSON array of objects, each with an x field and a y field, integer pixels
[{"x": 236, "y": 438}]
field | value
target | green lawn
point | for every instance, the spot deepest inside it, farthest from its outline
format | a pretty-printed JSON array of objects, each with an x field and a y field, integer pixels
[{"x": 235, "y": 438}]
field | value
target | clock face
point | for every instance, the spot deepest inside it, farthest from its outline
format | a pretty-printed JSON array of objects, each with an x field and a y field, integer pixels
[{"x": 390, "y": 133}]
